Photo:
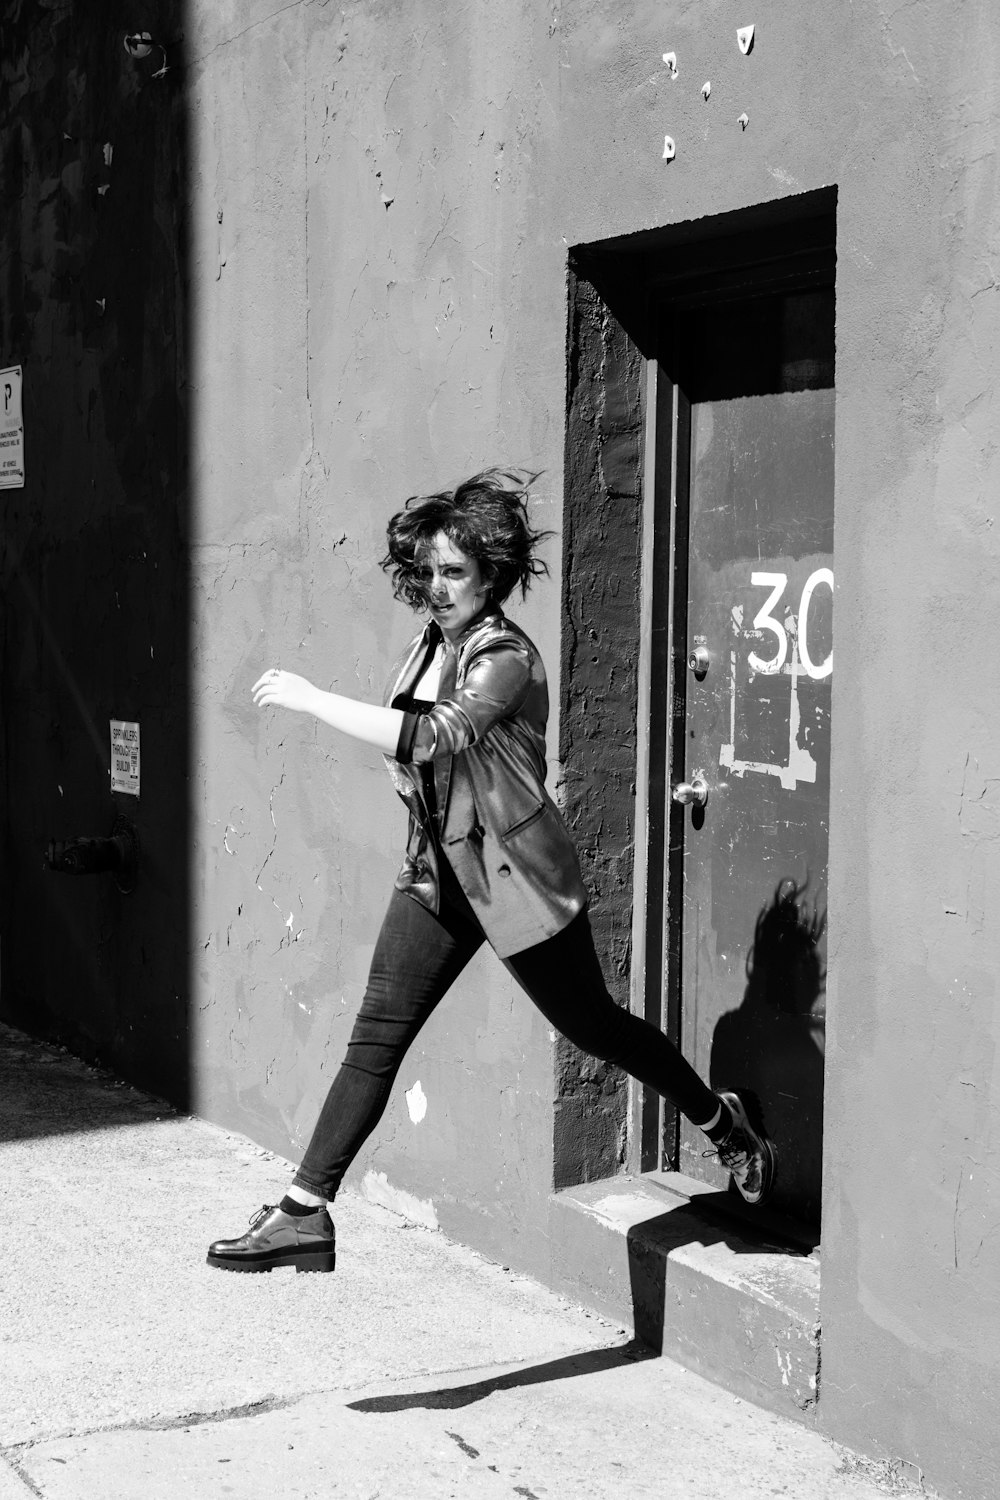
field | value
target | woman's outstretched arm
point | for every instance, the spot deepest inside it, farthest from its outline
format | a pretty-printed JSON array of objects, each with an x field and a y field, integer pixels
[{"x": 363, "y": 721}]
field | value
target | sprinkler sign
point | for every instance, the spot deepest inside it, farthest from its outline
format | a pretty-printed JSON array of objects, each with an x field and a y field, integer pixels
[
  {"x": 124, "y": 757},
  {"x": 11, "y": 430}
]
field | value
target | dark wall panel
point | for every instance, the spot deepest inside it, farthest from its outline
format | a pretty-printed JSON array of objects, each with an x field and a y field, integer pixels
[{"x": 94, "y": 572}]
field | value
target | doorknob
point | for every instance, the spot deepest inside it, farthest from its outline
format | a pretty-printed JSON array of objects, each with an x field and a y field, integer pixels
[
  {"x": 691, "y": 793},
  {"x": 699, "y": 661},
  {"x": 119, "y": 855}
]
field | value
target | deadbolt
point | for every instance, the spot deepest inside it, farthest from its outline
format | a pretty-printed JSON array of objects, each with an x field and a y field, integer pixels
[
  {"x": 699, "y": 660},
  {"x": 693, "y": 793}
]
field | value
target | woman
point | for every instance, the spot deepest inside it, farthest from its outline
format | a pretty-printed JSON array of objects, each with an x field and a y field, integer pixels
[{"x": 488, "y": 857}]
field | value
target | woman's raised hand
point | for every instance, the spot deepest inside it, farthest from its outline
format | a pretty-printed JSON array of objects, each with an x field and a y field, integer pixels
[
  {"x": 378, "y": 726},
  {"x": 278, "y": 689}
]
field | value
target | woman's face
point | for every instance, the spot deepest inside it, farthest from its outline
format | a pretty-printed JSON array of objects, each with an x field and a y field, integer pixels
[{"x": 452, "y": 584}]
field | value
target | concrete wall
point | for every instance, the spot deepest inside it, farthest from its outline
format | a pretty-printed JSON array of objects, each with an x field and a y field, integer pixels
[
  {"x": 374, "y": 316},
  {"x": 381, "y": 200}
]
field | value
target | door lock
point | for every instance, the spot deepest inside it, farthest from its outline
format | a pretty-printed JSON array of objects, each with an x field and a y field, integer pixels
[
  {"x": 693, "y": 793},
  {"x": 699, "y": 660}
]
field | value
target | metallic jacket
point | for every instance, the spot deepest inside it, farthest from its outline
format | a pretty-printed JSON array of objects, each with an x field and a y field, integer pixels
[{"x": 485, "y": 741}]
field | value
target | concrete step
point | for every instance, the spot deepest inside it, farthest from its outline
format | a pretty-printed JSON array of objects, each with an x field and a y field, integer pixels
[{"x": 730, "y": 1292}]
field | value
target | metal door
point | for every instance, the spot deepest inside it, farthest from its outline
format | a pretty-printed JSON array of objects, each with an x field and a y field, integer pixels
[{"x": 750, "y": 742}]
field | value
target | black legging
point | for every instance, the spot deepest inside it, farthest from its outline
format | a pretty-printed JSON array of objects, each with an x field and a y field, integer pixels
[{"x": 417, "y": 958}]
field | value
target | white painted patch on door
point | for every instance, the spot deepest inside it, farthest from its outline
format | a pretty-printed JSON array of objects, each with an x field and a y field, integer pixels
[
  {"x": 800, "y": 767},
  {"x": 793, "y": 633}
]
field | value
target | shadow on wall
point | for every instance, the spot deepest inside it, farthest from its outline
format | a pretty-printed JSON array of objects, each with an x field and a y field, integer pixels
[
  {"x": 94, "y": 571},
  {"x": 773, "y": 1043}
]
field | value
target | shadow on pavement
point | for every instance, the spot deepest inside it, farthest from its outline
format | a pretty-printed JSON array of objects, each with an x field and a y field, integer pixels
[
  {"x": 46, "y": 1091},
  {"x": 447, "y": 1398}
]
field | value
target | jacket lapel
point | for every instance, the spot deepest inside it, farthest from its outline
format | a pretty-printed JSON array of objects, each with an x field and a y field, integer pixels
[
  {"x": 401, "y": 680},
  {"x": 442, "y": 767},
  {"x": 405, "y": 673}
]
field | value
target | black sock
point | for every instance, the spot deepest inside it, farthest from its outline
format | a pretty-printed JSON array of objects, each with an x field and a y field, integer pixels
[
  {"x": 723, "y": 1126},
  {"x": 296, "y": 1209}
]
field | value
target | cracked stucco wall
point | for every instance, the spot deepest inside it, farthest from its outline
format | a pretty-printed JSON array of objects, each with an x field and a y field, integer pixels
[{"x": 371, "y": 303}]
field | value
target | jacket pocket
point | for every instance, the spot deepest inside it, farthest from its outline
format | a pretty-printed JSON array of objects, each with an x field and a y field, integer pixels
[{"x": 525, "y": 822}]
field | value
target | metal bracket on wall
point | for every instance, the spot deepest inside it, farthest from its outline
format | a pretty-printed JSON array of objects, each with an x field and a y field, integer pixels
[{"x": 117, "y": 856}]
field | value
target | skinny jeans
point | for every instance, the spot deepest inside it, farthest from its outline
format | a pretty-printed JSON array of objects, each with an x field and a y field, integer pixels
[{"x": 417, "y": 958}]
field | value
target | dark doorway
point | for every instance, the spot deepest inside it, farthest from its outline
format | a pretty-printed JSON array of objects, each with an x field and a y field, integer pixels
[
  {"x": 745, "y": 391},
  {"x": 94, "y": 558},
  {"x": 722, "y": 332}
]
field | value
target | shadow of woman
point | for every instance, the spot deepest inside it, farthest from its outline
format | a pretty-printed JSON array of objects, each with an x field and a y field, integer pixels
[{"x": 773, "y": 1044}]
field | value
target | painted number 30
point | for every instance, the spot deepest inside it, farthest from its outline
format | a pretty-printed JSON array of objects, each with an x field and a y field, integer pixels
[{"x": 764, "y": 620}]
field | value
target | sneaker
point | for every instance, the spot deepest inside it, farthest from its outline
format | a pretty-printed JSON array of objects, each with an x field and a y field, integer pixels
[
  {"x": 746, "y": 1152},
  {"x": 275, "y": 1239}
]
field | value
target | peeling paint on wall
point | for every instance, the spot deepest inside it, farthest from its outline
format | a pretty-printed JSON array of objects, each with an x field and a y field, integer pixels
[
  {"x": 377, "y": 1189},
  {"x": 416, "y": 1103}
]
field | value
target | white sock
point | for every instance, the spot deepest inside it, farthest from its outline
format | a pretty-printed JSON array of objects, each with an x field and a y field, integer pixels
[{"x": 304, "y": 1196}]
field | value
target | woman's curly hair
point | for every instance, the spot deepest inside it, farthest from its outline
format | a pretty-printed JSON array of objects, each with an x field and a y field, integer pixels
[{"x": 486, "y": 517}]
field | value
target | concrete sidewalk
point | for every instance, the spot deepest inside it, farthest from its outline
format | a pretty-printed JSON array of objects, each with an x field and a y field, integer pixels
[{"x": 130, "y": 1369}]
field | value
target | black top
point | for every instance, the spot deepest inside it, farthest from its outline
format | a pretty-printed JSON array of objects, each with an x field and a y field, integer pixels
[{"x": 415, "y": 706}]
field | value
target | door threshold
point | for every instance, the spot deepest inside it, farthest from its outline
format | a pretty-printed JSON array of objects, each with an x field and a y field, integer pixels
[
  {"x": 766, "y": 1223},
  {"x": 734, "y": 1297}
]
